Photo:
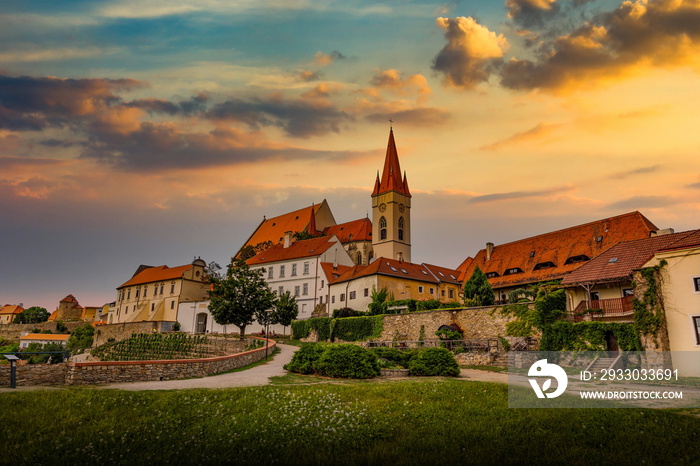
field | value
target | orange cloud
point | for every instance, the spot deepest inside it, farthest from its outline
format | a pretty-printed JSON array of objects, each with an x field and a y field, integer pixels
[{"x": 538, "y": 132}]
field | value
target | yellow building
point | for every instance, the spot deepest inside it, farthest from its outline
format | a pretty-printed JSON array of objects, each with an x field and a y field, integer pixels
[
  {"x": 154, "y": 293},
  {"x": 681, "y": 299},
  {"x": 9, "y": 312}
]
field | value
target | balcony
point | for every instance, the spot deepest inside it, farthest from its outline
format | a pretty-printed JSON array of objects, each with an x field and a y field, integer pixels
[{"x": 604, "y": 309}]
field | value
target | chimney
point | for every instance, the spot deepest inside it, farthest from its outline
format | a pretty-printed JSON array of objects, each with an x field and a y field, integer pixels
[
  {"x": 489, "y": 251},
  {"x": 287, "y": 239},
  {"x": 666, "y": 231}
]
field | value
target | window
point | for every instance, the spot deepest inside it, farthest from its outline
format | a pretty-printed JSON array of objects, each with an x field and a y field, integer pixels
[
  {"x": 613, "y": 260},
  {"x": 545, "y": 265},
  {"x": 512, "y": 271},
  {"x": 401, "y": 223},
  {"x": 145, "y": 291},
  {"x": 627, "y": 292},
  {"x": 432, "y": 291},
  {"x": 270, "y": 273},
  {"x": 172, "y": 304},
  {"x": 696, "y": 284},
  {"x": 137, "y": 292},
  {"x": 359, "y": 258},
  {"x": 366, "y": 292},
  {"x": 352, "y": 295},
  {"x": 442, "y": 293},
  {"x": 342, "y": 297},
  {"x": 595, "y": 296},
  {"x": 451, "y": 293},
  {"x": 280, "y": 290},
  {"x": 294, "y": 270},
  {"x": 696, "y": 328},
  {"x": 420, "y": 289},
  {"x": 574, "y": 259},
  {"x": 382, "y": 228},
  {"x": 281, "y": 271},
  {"x": 296, "y": 290},
  {"x": 306, "y": 268},
  {"x": 153, "y": 306},
  {"x": 322, "y": 283},
  {"x": 305, "y": 289},
  {"x": 333, "y": 299},
  {"x": 127, "y": 310},
  {"x": 172, "y": 288},
  {"x": 128, "y": 294},
  {"x": 161, "y": 288},
  {"x": 492, "y": 275}
]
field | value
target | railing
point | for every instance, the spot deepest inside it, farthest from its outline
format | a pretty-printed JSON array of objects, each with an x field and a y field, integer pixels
[
  {"x": 602, "y": 308},
  {"x": 485, "y": 344}
]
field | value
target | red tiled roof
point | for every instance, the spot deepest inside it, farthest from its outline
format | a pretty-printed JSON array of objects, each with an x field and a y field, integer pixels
[
  {"x": 689, "y": 241},
  {"x": 273, "y": 229},
  {"x": 590, "y": 240},
  {"x": 357, "y": 230},
  {"x": 619, "y": 261},
  {"x": 443, "y": 273},
  {"x": 156, "y": 274},
  {"x": 299, "y": 249},
  {"x": 391, "y": 175},
  {"x": 69, "y": 299},
  {"x": 396, "y": 268},
  {"x": 45, "y": 336},
  {"x": 53, "y": 316},
  {"x": 333, "y": 273},
  {"x": 11, "y": 309}
]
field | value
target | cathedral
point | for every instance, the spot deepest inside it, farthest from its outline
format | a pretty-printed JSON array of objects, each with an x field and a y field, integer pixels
[{"x": 387, "y": 235}]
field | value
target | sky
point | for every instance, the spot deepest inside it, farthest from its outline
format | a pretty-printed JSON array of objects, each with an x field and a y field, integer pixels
[{"x": 155, "y": 132}]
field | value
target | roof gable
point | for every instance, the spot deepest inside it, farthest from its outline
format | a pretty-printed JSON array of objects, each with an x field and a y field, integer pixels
[
  {"x": 356, "y": 230},
  {"x": 156, "y": 274},
  {"x": 11, "y": 309},
  {"x": 553, "y": 255},
  {"x": 297, "y": 250}
]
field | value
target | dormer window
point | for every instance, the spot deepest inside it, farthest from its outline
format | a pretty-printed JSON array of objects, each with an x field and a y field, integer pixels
[
  {"x": 513, "y": 270},
  {"x": 599, "y": 239},
  {"x": 575, "y": 259},
  {"x": 613, "y": 260},
  {"x": 545, "y": 265},
  {"x": 532, "y": 254},
  {"x": 492, "y": 275}
]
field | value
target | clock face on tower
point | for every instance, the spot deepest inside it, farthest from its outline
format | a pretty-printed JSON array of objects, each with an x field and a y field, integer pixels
[
  {"x": 382, "y": 207},
  {"x": 401, "y": 208}
]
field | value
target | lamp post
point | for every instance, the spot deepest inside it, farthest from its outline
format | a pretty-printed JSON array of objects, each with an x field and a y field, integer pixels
[
  {"x": 13, "y": 369},
  {"x": 268, "y": 314}
]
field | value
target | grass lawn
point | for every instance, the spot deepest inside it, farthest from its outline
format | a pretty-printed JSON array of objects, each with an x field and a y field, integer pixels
[{"x": 403, "y": 422}]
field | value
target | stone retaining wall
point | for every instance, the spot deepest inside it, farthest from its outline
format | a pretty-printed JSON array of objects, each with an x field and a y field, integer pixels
[
  {"x": 119, "y": 332},
  {"x": 129, "y": 371}
]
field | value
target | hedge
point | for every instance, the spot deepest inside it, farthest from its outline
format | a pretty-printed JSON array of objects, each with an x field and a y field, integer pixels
[
  {"x": 345, "y": 328},
  {"x": 588, "y": 336}
]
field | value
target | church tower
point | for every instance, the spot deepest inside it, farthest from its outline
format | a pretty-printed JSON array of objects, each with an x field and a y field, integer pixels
[{"x": 391, "y": 209}]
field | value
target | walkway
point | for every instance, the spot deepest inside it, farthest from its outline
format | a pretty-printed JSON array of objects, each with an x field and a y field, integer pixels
[{"x": 255, "y": 376}]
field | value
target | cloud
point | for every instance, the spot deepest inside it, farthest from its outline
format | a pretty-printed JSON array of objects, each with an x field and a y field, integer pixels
[
  {"x": 28, "y": 103},
  {"x": 393, "y": 81},
  {"x": 322, "y": 91},
  {"x": 34, "y": 187},
  {"x": 640, "y": 202},
  {"x": 308, "y": 76},
  {"x": 533, "y": 134},
  {"x": 471, "y": 54},
  {"x": 298, "y": 118},
  {"x": 520, "y": 195},
  {"x": 530, "y": 13},
  {"x": 196, "y": 104},
  {"x": 420, "y": 117},
  {"x": 693, "y": 185},
  {"x": 328, "y": 58},
  {"x": 7, "y": 163},
  {"x": 636, "y": 35},
  {"x": 637, "y": 171}
]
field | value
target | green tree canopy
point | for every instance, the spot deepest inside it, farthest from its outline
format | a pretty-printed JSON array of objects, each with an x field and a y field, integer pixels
[
  {"x": 477, "y": 290},
  {"x": 81, "y": 337},
  {"x": 285, "y": 310},
  {"x": 240, "y": 296},
  {"x": 33, "y": 315}
]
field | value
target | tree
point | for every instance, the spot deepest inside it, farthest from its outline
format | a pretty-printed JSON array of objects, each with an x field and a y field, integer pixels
[
  {"x": 285, "y": 309},
  {"x": 379, "y": 302},
  {"x": 33, "y": 315},
  {"x": 477, "y": 290},
  {"x": 249, "y": 251},
  {"x": 239, "y": 296},
  {"x": 81, "y": 338}
]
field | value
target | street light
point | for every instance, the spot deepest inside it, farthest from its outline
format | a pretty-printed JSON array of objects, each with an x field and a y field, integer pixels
[
  {"x": 13, "y": 369},
  {"x": 268, "y": 314}
]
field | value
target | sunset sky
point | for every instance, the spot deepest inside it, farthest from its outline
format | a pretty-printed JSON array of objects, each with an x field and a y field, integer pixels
[{"x": 151, "y": 132}]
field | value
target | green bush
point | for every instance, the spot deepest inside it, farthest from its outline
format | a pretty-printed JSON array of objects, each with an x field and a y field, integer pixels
[
  {"x": 357, "y": 328},
  {"x": 428, "y": 305},
  {"x": 396, "y": 356},
  {"x": 434, "y": 361},
  {"x": 300, "y": 329},
  {"x": 304, "y": 359},
  {"x": 347, "y": 361},
  {"x": 347, "y": 312},
  {"x": 81, "y": 338}
]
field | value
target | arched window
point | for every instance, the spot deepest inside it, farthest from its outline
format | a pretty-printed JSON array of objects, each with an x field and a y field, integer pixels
[
  {"x": 401, "y": 228},
  {"x": 370, "y": 257},
  {"x": 359, "y": 258},
  {"x": 382, "y": 228}
]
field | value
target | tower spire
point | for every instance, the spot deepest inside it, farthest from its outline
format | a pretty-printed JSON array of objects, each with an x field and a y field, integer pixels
[{"x": 391, "y": 174}]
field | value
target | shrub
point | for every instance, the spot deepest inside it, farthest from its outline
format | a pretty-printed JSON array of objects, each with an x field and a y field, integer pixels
[
  {"x": 303, "y": 360},
  {"x": 428, "y": 305},
  {"x": 346, "y": 312},
  {"x": 347, "y": 361},
  {"x": 434, "y": 361},
  {"x": 394, "y": 355},
  {"x": 81, "y": 337},
  {"x": 358, "y": 328}
]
